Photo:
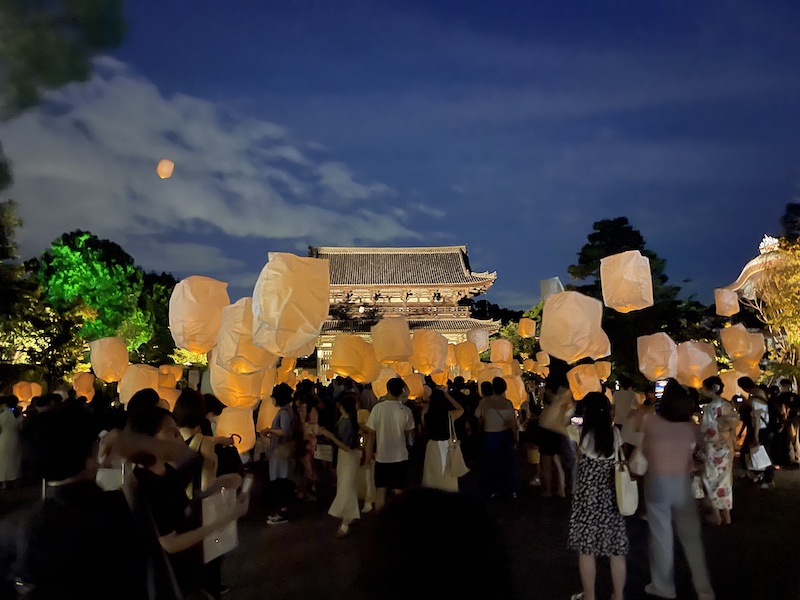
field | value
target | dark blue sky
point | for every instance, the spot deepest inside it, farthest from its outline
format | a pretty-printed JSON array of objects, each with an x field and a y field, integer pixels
[{"x": 511, "y": 127}]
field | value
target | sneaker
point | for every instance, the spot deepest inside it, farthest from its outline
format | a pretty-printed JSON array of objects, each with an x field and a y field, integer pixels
[
  {"x": 767, "y": 486},
  {"x": 276, "y": 520}
]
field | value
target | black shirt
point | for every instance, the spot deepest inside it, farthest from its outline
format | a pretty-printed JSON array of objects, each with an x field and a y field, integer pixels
[{"x": 437, "y": 424}]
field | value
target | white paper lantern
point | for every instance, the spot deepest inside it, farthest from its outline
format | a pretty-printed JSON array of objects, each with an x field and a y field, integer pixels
[
  {"x": 235, "y": 349},
  {"x": 697, "y": 361},
  {"x": 235, "y": 389},
  {"x": 479, "y": 337},
  {"x": 83, "y": 384},
  {"x": 266, "y": 413},
  {"x": 451, "y": 360},
  {"x": 658, "y": 356},
  {"x": 511, "y": 368},
  {"x": 354, "y": 357},
  {"x": 550, "y": 287},
  {"x": 109, "y": 358},
  {"x": 750, "y": 368},
  {"x": 529, "y": 365},
  {"x": 239, "y": 421},
  {"x": 582, "y": 380},
  {"x": 603, "y": 369},
  {"x": 415, "y": 383},
  {"x": 526, "y": 328},
  {"x": 726, "y": 302},
  {"x": 543, "y": 358},
  {"x": 516, "y": 391},
  {"x": 175, "y": 372},
  {"x": 287, "y": 364},
  {"x": 467, "y": 356},
  {"x": 169, "y": 395},
  {"x": 25, "y": 391},
  {"x": 401, "y": 368},
  {"x": 571, "y": 327},
  {"x": 268, "y": 383},
  {"x": 489, "y": 372},
  {"x": 291, "y": 300},
  {"x": 626, "y": 281},
  {"x": 288, "y": 377},
  {"x": 391, "y": 339},
  {"x": 430, "y": 351},
  {"x": 379, "y": 385},
  {"x": 306, "y": 350},
  {"x": 740, "y": 343},
  {"x": 502, "y": 351},
  {"x": 195, "y": 312},
  {"x": 730, "y": 384},
  {"x": 165, "y": 168},
  {"x": 136, "y": 378},
  {"x": 443, "y": 377}
]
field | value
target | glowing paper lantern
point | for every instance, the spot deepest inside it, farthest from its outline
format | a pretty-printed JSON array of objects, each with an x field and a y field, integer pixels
[
  {"x": 750, "y": 368},
  {"x": 25, "y": 391},
  {"x": 479, "y": 337},
  {"x": 329, "y": 374},
  {"x": 391, "y": 338},
  {"x": 354, "y": 357},
  {"x": 726, "y": 301},
  {"x": 543, "y": 358},
  {"x": 379, "y": 385},
  {"x": 571, "y": 327},
  {"x": 451, "y": 360},
  {"x": 401, "y": 368},
  {"x": 582, "y": 380},
  {"x": 416, "y": 384},
  {"x": 306, "y": 376},
  {"x": 306, "y": 350},
  {"x": 603, "y": 369},
  {"x": 165, "y": 168},
  {"x": 550, "y": 287},
  {"x": 175, "y": 372},
  {"x": 266, "y": 413},
  {"x": 626, "y": 281},
  {"x": 195, "y": 312},
  {"x": 430, "y": 351},
  {"x": 137, "y": 377},
  {"x": 268, "y": 383},
  {"x": 83, "y": 384},
  {"x": 169, "y": 395},
  {"x": 443, "y": 377},
  {"x": 291, "y": 300},
  {"x": 467, "y": 356},
  {"x": 730, "y": 384},
  {"x": 529, "y": 365},
  {"x": 658, "y": 356},
  {"x": 109, "y": 358},
  {"x": 235, "y": 389},
  {"x": 239, "y": 421},
  {"x": 288, "y": 377},
  {"x": 740, "y": 343},
  {"x": 516, "y": 391},
  {"x": 511, "y": 368},
  {"x": 502, "y": 351},
  {"x": 526, "y": 328},
  {"x": 235, "y": 348},
  {"x": 696, "y": 361},
  {"x": 489, "y": 372},
  {"x": 287, "y": 365}
]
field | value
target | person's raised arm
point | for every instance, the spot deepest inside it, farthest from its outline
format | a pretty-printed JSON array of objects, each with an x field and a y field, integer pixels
[
  {"x": 459, "y": 410},
  {"x": 130, "y": 446}
]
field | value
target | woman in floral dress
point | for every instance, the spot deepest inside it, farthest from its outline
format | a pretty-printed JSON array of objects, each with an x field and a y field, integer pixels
[{"x": 719, "y": 433}]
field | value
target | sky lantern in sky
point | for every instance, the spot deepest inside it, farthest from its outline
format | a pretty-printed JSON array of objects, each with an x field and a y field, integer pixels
[
  {"x": 467, "y": 356},
  {"x": 527, "y": 327},
  {"x": 502, "y": 351},
  {"x": 582, "y": 380},
  {"x": 626, "y": 281},
  {"x": 83, "y": 384},
  {"x": 726, "y": 302},
  {"x": 109, "y": 358},
  {"x": 165, "y": 168},
  {"x": 697, "y": 361},
  {"x": 391, "y": 339},
  {"x": 195, "y": 312},
  {"x": 238, "y": 420},
  {"x": 430, "y": 351},
  {"x": 479, "y": 337},
  {"x": 571, "y": 327},
  {"x": 136, "y": 378},
  {"x": 658, "y": 356}
]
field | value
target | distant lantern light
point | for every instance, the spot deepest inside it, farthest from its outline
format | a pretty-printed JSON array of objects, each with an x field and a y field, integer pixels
[
  {"x": 526, "y": 328},
  {"x": 165, "y": 168}
]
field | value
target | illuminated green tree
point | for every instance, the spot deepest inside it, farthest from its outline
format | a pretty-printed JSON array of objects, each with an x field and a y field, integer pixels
[
  {"x": 154, "y": 304},
  {"x": 98, "y": 279}
]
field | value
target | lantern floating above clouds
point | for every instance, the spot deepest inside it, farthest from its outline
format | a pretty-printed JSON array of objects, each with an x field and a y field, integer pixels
[
  {"x": 165, "y": 168},
  {"x": 526, "y": 328},
  {"x": 136, "y": 378},
  {"x": 571, "y": 327},
  {"x": 430, "y": 351},
  {"x": 195, "y": 312},
  {"x": 109, "y": 358},
  {"x": 626, "y": 281},
  {"x": 83, "y": 384},
  {"x": 726, "y": 302},
  {"x": 291, "y": 300},
  {"x": 697, "y": 361},
  {"x": 582, "y": 380},
  {"x": 550, "y": 287},
  {"x": 239, "y": 421},
  {"x": 391, "y": 339},
  {"x": 235, "y": 348},
  {"x": 658, "y": 356},
  {"x": 502, "y": 351},
  {"x": 479, "y": 337}
]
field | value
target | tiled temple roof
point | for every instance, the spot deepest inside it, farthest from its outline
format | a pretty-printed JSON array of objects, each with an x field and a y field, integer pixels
[
  {"x": 401, "y": 267},
  {"x": 443, "y": 325}
]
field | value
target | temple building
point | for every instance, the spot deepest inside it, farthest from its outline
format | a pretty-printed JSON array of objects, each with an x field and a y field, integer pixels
[{"x": 425, "y": 285}]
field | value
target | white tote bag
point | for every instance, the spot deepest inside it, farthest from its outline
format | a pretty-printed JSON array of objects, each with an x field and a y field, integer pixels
[
  {"x": 758, "y": 459},
  {"x": 627, "y": 490}
]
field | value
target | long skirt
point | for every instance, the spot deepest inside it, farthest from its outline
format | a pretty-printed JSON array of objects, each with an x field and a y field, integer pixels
[
  {"x": 718, "y": 476},
  {"x": 345, "y": 504},
  {"x": 433, "y": 473},
  {"x": 499, "y": 468}
]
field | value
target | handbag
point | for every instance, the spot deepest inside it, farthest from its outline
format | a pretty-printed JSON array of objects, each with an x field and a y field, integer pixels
[
  {"x": 638, "y": 463},
  {"x": 758, "y": 459},
  {"x": 324, "y": 452},
  {"x": 223, "y": 540},
  {"x": 454, "y": 465},
  {"x": 627, "y": 490}
]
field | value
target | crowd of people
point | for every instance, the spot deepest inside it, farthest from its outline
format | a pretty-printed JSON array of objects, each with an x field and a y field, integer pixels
[{"x": 180, "y": 484}]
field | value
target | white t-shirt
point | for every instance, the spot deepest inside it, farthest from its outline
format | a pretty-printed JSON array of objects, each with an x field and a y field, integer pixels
[
  {"x": 624, "y": 401},
  {"x": 496, "y": 413},
  {"x": 760, "y": 411},
  {"x": 390, "y": 420}
]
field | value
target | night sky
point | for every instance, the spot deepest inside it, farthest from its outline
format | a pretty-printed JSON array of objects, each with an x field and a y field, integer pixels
[{"x": 507, "y": 126}]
